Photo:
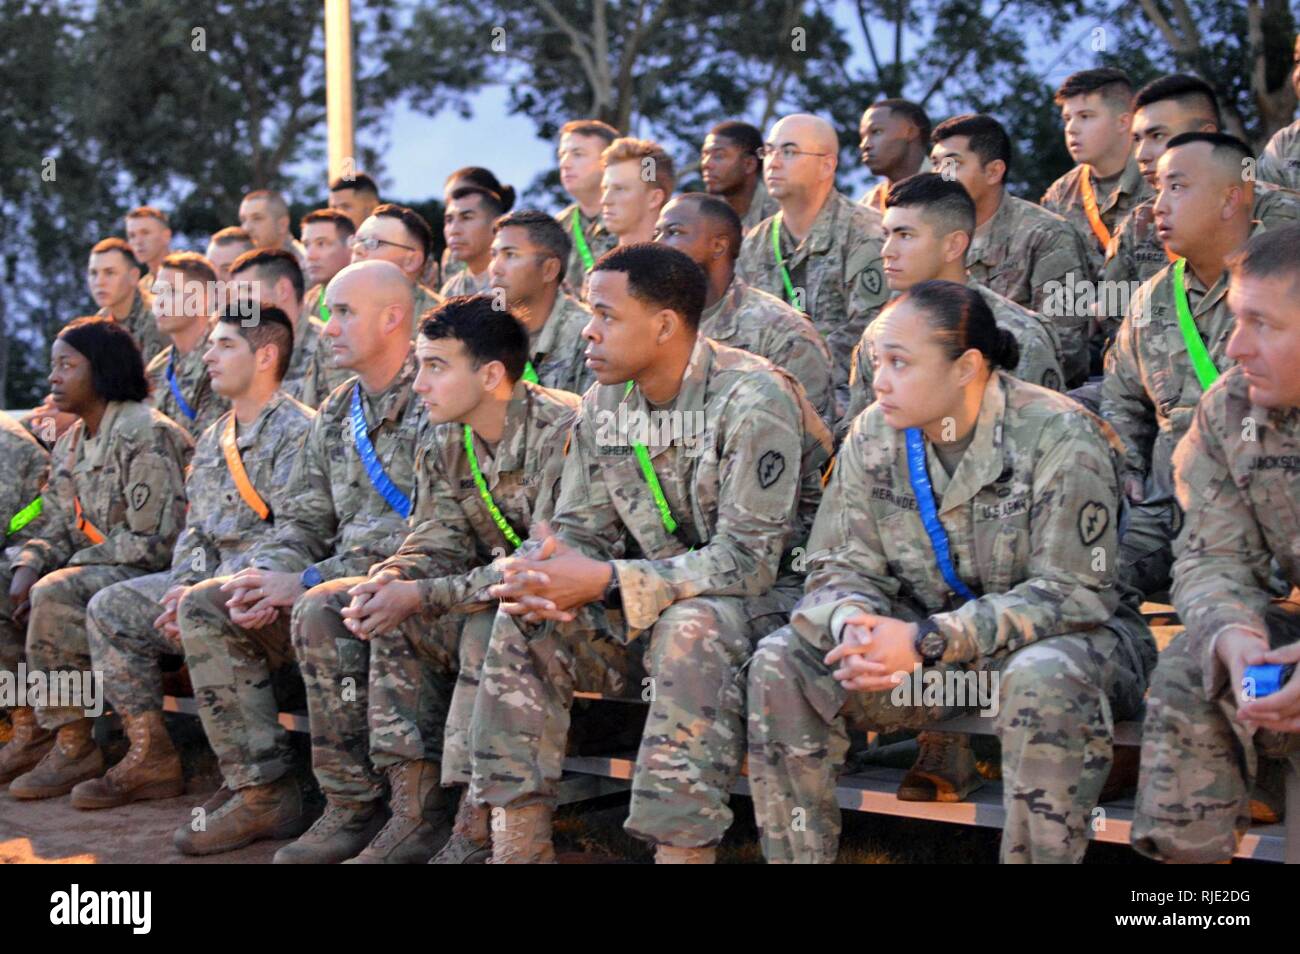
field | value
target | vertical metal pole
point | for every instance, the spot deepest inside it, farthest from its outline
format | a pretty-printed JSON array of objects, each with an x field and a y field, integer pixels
[{"x": 338, "y": 87}]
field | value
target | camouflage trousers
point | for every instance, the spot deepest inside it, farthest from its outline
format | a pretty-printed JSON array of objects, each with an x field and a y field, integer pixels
[
  {"x": 124, "y": 645},
  {"x": 1058, "y": 701},
  {"x": 423, "y": 680},
  {"x": 688, "y": 666},
  {"x": 56, "y": 628},
  {"x": 1199, "y": 763},
  {"x": 233, "y": 669},
  {"x": 13, "y": 638}
]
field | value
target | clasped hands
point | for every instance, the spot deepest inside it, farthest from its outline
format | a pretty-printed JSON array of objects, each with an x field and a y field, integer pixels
[{"x": 875, "y": 653}]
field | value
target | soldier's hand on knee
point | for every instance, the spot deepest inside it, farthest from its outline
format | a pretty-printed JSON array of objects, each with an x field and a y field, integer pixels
[{"x": 382, "y": 609}]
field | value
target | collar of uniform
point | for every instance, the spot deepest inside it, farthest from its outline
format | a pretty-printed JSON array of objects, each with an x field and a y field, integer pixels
[
  {"x": 544, "y": 343},
  {"x": 821, "y": 236},
  {"x": 89, "y": 451},
  {"x": 390, "y": 403},
  {"x": 514, "y": 435},
  {"x": 194, "y": 355},
  {"x": 248, "y": 436},
  {"x": 983, "y": 248},
  {"x": 689, "y": 397},
  {"x": 721, "y": 315},
  {"x": 1130, "y": 183},
  {"x": 981, "y": 464}
]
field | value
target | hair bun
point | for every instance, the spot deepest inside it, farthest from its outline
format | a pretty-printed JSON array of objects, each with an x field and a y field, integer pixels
[
  {"x": 507, "y": 194},
  {"x": 1008, "y": 355}
]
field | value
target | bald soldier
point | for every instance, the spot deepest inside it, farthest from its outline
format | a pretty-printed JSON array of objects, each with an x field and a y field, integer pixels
[
  {"x": 928, "y": 225},
  {"x": 736, "y": 314},
  {"x": 821, "y": 252},
  {"x": 272, "y": 276},
  {"x": 732, "y": 169},
  {"x": 113, "y": 276},
  {"x": 580, "y": 145},
  {"x": 1170, "y": 346},
  {"x": 183, "y": 304},
  {"x": 1280, "y": 162},
  {"x": 1094, "y": 196},
  {"x": 893, "y": 143},
  {"x": 1208, "y": 733},
  {"x": 530, "y": 251},
  {"x": 1020, "y": 250},
  {"x": 264, "y": 215},
  {"x": 636, "y": 180}
]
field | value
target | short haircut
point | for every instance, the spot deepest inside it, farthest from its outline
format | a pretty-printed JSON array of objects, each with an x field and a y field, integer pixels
[
  {"x": 484, "y": 179},
  {"x": 628, "y": 149},
  {"x": 945, "y": 202},
  {"x": 190, "y": 264},
  {"x": 490, "y": 200},
  {"x": 659, "y": 276},
  {"x": 590, "y": 127},
  {"x": 273, "y": 199},
  {"x": 988, "y": 139},
  {"x": 232, "y": 235},
  {"x": 414, "y": 222},
  {"x": 910, "y": 111},
  {"x": 116, "y": 367},
  {"x": 1189, "y": 91},
  {"x": 1114, "y": 86},
  {"x": 1271, "y": 254},
  {"x": 1223, "y": 146},
  {"x": 342, "y": 224},
  {"x": 357, "y": 182},
  {"x": 721, "y": 215},
  {"x": 115, "y": 244},
  {"x": 487, "y": 333},
  {"x": 149, "y": 212},
  {"x": 271, "y": 327},
  {"x": 277, "y": 263},
  {"x": 747, "y": 137},
  {"x": 543, "y": 231}
]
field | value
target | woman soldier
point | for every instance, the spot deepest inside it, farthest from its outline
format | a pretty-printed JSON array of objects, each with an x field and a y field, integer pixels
[{"x": 962, "y": 558}]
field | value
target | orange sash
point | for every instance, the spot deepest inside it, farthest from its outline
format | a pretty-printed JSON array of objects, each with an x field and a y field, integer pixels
[
  {"x": 240, "y": 476},
  {"x": 84, "y": 525},
  {"x": 1090, "y": 208}
]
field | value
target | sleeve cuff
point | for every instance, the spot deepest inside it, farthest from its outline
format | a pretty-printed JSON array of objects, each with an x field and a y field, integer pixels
[{"x": 645, "y": 593}]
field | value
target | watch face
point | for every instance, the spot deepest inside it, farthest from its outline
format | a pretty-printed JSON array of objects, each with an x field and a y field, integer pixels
[{"x": 933, "y": 645}]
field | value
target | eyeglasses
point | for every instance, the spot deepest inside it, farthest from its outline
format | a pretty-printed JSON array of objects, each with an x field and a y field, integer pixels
[
  {"x": 788, "y": 152},
  {"x": 370, "y": 243}
]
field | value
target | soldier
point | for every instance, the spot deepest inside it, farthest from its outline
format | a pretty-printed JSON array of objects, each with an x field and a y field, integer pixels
[
  {"x": 325, "y": 234},
  {"x": 112, "y": 508},
  {"x": 731, "y": 168},
  {"x": 1020, "y": 250},
  {"x": 264, "y": 215},
  {"x": 1008, "y": 591},
  {"x": 346, "y": 510},
  {"x": 1280, "y": 162},
  {"x": 894, "y": 143},
  {"x": 581, "y": 143},
  {"x": 478, "y": 177},
  {"x": 113, "y": 276},
  {"x": 223, "y": 248},
  {"x": 1172, "y": 340},
  {"x": 467, "y": 227},
  {"x": 928, "y": 225},
  {"x": 487, "y": 475},
  {"x": 1094, "y": 196},
  {"x": 237, "y": 484},
  {"x": 664, "y": 564},
  {"x": 529, "y": 254},
  {"x": 708, "y": 230},
  {"x": 396, "y": 234},
  {"x": 636, "y": 180},
  {"x": 178, "y": 378},
  {"x": 1208, "y": 732},
  {"x": 271, "y": 276},
  {"x": 821, "y": 252},
  {"x": 355, "y": 195},
  {"x": 150, "y": 236}
]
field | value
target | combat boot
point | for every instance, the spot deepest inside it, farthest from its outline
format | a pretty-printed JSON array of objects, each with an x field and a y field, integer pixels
[
  {"x": 339, "y": 834},
  {"x": 252, "y": 814},
  {"x": 150, "y": 769},
  {"x": 471, "y": 838},
  {"x": 72, "y": 759},
  {"x": 524, "y": 837},
  {"x": 28, "y": 745},
  {"x": 420, "y": 822},
  {"x": 944, "y": 770},
  {"x": 668, "y": 855}
]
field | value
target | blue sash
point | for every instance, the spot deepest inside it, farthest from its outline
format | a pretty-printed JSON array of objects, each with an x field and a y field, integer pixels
[
  {"x": 375, "y": 470},
  {"x": 176, "y": 388},
  {"x": 924, "y": 492}
]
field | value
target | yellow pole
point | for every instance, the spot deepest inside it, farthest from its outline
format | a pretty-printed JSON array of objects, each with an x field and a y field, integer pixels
[{"x": 338, "y": 87}]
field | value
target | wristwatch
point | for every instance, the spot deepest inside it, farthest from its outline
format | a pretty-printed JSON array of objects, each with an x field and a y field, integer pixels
[
  {"x": 310, "y": 577},
  {"x": 930, "y": 642},
  {"x": 613, "y": 594}
]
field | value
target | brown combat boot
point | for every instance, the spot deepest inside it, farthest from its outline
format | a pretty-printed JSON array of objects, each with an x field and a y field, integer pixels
[
  {"x": 421, "y": 817},
  {"x": 471, "y": 837},
  {"x": 524, "y": 837},
  {"x": 28, "y": 746},
  {"x": 339, "y": 834},
  {"x": 944, "y": 770},
  {"x": 252, "y": 814},
  {"x": 668, "y": 855},
  {"x": 150, "y": 769},
  {"x": 73, "y": 758}
]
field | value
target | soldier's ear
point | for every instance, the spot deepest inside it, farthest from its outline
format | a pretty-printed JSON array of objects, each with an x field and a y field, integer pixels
[
  {"x": 955, "y": 245},
  {"x": 669, "y": 324},
  {"x": 551, "y": 269},
  {"x": 995, "y": 172}
]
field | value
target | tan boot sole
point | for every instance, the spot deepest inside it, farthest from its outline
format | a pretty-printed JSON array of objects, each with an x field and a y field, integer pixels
[
  {"x": 163, "y": 788},
  {"x": 33, "y": 792},
  {"x": 34, "y": 757},
  {"x": 913, "y": 788},
  {"x": 289, "y": 829}
]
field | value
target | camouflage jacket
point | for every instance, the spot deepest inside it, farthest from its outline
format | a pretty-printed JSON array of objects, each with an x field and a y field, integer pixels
[
  {"x": 599, "y": 241},
  {"x": 193, "y": 383},
  {"x": 556, "y": 350},
  {"x": 143, "y": 326},
  {"x": 27, "y": 471},
  {"x": 1280, "y": 162},
  {"x": 1065, "y": 198},
  {"x": 463, "y": 283},
  {"x": 761, "y": 206}
]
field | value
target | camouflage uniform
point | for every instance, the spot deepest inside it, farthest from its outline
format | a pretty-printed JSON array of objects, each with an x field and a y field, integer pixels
[
  {"x": 1021, "y": 251},
  {"x": 1116, "y": 198},
  {"x": 309, "y": 349},
  {"x": 143, "y": 326},
  {"x": 761, "y": 206},
  {"x": 463, "y": 283},
  {"x": 424, "y": 675},
  {"x": 693, "y": 602},
  {"x": 1280, "y": 162},
  {"x": 1028, "y": 509},
  {"x": 1243, "y": 521},
  {"x": 764, "y": 325},
  {"x": 874, "y": 198},
  {"x": 220, "y": 529},
  {"x": 556, "y": 349},
  {"x": 1148, "y": 395},
  {"x": 25, "y": 474},
  {"x": 599, "y": 241},
  {"x": 836, "y": 273},
  {"x": 194, "y": 385},
  {"x": 1040, "y": 351},
  {"x": 130, "y": 480}
]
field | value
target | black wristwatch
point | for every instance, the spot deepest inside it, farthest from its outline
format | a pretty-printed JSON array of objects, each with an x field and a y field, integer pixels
[
  {"x": 930, "y": 643},
  {"x": 613, "y": 593}
]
